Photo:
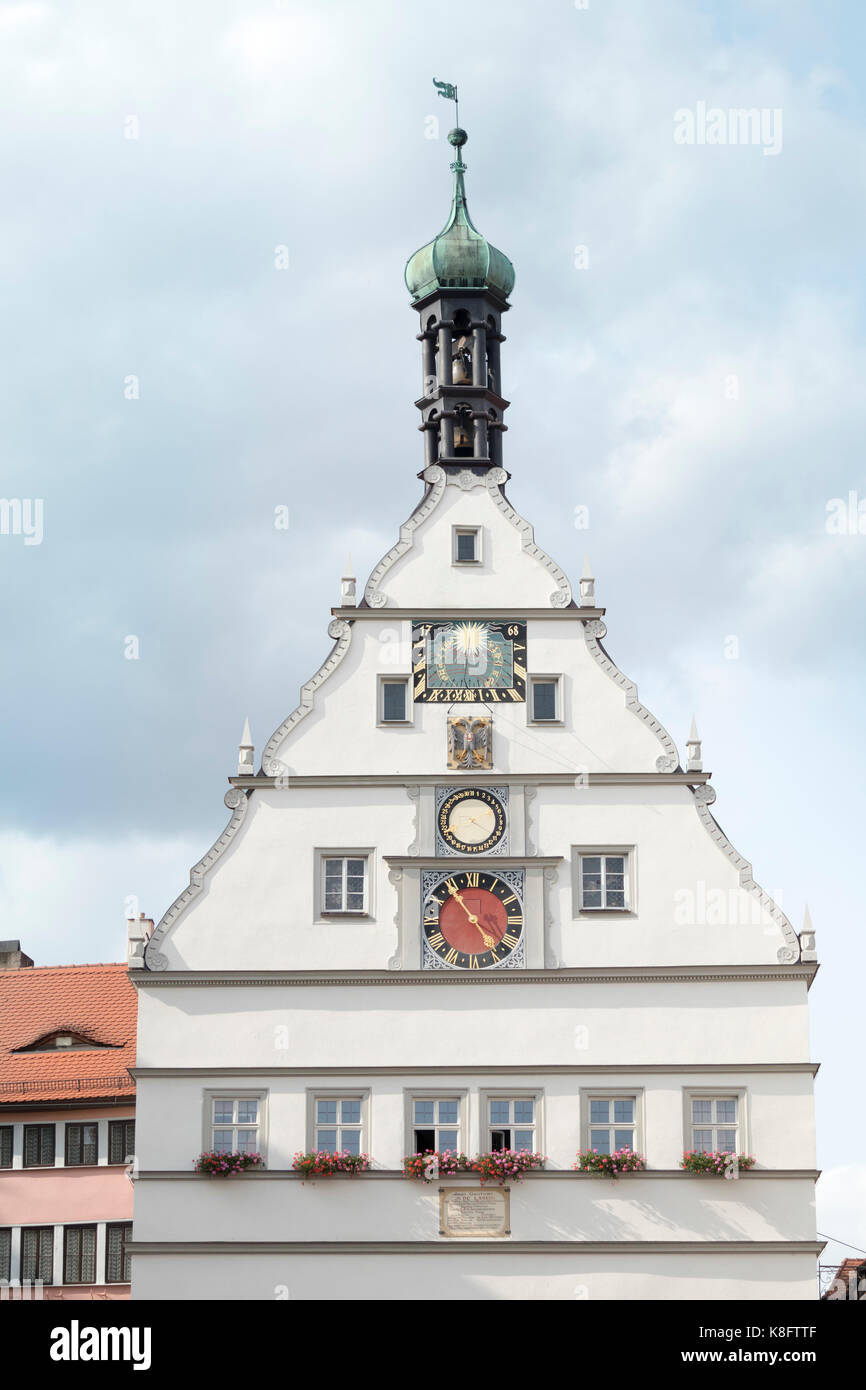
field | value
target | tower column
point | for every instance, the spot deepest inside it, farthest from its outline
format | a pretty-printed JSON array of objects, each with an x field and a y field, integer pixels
[
  {"x": 444, "y": 353},
  {"x": 479, "y": 356},
  {"x": 479, "y": 438},
  {"x": 428, "y": 361}
]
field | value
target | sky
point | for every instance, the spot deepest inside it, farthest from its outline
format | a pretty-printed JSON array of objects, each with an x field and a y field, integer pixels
[{"x": 207, "y": 211}]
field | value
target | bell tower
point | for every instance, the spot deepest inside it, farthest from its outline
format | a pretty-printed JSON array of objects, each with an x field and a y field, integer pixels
[{"x": 460, "y": 285}]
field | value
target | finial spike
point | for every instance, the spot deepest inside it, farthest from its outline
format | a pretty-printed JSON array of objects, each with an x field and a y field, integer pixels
[
  {"x": 348, "y": 597},
  {"x": 693, "y": 750},
  {"x": 807, "y": 937},
  {"x": 246, "y": 749}
]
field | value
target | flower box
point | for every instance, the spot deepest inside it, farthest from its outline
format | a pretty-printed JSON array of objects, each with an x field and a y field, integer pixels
[
  {"x": 720, "y": 1164},
  {"x": 502, "y": 1166},
  {"x": 323, "y": 1164},
  {"x": 226, "y": 1165},
  {"x": 610, "y": 1165}
]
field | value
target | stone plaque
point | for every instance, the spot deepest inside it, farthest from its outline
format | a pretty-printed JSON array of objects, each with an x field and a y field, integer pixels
[{"x": 475, "y": 1211}]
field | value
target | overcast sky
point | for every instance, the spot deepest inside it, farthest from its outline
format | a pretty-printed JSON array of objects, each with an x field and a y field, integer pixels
[{"x": 693, "y": 376}]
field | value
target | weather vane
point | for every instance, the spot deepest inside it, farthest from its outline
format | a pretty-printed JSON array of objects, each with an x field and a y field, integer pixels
[{"x": 449, "y": 92}]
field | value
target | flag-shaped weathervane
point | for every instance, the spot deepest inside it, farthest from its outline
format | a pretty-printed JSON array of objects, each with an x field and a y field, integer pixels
[{"x": 449, "y": 92}]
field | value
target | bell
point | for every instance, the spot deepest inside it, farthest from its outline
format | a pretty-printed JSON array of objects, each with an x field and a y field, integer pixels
[{"x": 461, "y": 374}]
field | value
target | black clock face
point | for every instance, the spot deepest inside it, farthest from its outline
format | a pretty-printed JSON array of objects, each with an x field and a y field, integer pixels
[
  {"x": 473, "y": 920},
  {"x": 470, "y": 659},
  {"x": 472, "y": 820}
]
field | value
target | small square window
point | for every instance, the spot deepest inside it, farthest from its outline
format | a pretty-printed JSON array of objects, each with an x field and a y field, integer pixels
[
  {"x": 344, "y": 884},
  {"x": 603, "y": 884},
  {"x": 544, "y": 699},
  {"x": 466, "y": 545},
  {"x": 394, "y": 704}
]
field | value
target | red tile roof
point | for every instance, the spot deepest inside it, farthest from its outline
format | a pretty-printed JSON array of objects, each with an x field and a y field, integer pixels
[{"x": 94, "y": 1000}]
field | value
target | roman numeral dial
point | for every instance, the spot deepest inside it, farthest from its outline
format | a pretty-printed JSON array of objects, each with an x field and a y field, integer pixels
[{"x": 473, "y": 920}]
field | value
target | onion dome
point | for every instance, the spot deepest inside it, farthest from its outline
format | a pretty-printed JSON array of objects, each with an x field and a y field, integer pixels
[{"x": 459, "y": 257}]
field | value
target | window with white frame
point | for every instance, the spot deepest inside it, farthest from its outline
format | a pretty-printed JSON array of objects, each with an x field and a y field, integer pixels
[
  {"x": 6, "y": 1254},
  {"x": 344, "y": 883},
  {"x": 79, "y": 1254},
  {"x": 395, "y": 706},
  {"x": 715, "y": 1124},
  {"x": 511, "y": 1123},
  {"x": 466, "y": 545},
  {"x": 338, "y": 1124},
  {"x": 235, "y": 1124},
  {"x": 435, "y": 1123},
  {"x": 6, "y": 1146},
  {"x": 545, "y": 700},
  {"x": 612, "y": 1123},
  {"x": 37, "y": 1254},
  {"x": 604, "y": 881}
]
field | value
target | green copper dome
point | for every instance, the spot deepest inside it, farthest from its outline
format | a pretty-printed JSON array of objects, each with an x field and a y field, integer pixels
[{"x": 459, "y": 257}]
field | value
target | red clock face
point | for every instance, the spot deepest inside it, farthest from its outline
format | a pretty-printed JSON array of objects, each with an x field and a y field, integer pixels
[
  {"x": 458, "y": 928},
  {"x": 473, "y": 920}
]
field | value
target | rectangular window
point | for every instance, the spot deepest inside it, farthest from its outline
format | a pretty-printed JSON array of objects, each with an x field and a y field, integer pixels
[
  {"x": 5, "y": 1254},
  {"x": 235, "y": 1124},
  {"x": 38, "y": 1146},
  {"x": 435, "y": 1123},
  {"x": 604, "y": 881},
  {"x": 338, "y": 1124},
  {"x": 612, "y": 1123},
  {"x": 544, "y": 706},
  {"x": 715, "y": 1124},
  {"x": 466, "y": 545},
  {"x": 5, "y": 1146},
  {"x": 394, "y": 706},
  {"x": 81, "y": 1144},
  {"x": 121, "y": 1141},
  {"x": 79, "y": 1255},
  {"x": 118, "y": 1261},
  {"x": 511, "y": 1123},
  {"x": 344, "y": 884},
  {"x": 37, "y": 1254}
]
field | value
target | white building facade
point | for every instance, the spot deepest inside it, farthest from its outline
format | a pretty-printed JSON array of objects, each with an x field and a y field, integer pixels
[{"x": 473, "y": 899}]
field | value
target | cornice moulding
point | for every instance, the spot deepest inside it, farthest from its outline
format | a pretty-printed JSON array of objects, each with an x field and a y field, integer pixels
[
  {"x": 442, "y": 1246},
  {"x": 476, "y": 611},
  {"x": 390, "y": 1174},
  {"x": 436, "y": 979},
  {"x": 400, "y": 779},
  {"x": 498, "y": 1069}
]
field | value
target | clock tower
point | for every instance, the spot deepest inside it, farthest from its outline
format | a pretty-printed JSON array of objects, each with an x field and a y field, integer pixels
[
  {"x": 473, "y": 917},
  {"x": 460, "y": 285}
]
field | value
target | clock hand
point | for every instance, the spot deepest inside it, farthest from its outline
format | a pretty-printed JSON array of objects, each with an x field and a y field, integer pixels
[{"x": 489, "y": 941}]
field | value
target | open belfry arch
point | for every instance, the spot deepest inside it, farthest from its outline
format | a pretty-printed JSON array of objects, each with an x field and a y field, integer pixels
[{"x": 472, "y": 890}]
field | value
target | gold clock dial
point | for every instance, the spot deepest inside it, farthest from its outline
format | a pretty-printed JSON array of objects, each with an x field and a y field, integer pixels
[{"x": 472, "y": 820}]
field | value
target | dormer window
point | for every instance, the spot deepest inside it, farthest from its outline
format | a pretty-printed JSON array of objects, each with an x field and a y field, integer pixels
[{"x": 62, "y": 1042}]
